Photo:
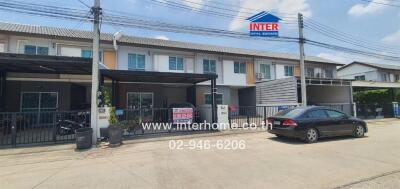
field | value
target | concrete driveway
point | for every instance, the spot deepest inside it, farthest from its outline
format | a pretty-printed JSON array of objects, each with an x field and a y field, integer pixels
[{"x": 267, "y": 162}]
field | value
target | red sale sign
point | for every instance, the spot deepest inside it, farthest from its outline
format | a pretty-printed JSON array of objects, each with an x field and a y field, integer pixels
[{"x": 182, "y": 115}]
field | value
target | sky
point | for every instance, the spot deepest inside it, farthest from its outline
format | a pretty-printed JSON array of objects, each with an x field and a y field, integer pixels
[{"x": 367, "y": 20}]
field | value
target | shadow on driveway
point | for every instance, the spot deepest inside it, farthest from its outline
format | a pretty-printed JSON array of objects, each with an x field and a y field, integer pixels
[{"x": 295, "y": 141}]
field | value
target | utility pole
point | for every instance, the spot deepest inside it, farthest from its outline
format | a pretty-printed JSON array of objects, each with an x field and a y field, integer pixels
[
  {"x": 302, "y": 67},
  {"x": 96, "y": 11}
]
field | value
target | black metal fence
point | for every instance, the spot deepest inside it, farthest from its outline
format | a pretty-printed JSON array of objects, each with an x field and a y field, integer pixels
[
  {"x": 159, "y": 120},
  {"x": 375, "y": 111},
  {"x": 251, "y": 116},
  {"x": 22, "y": 128}
]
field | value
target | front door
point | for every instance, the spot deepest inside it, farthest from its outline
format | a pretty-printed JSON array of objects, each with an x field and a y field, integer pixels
[{"x": 141, "y": 104}]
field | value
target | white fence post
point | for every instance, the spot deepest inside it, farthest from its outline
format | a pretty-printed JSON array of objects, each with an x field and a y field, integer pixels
[
  {"x": 396, "y": 109},
  {"x": 355, "y": 109}
]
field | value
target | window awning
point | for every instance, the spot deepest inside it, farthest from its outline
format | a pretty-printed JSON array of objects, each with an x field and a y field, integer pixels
[{"x": 156, "y": 77}]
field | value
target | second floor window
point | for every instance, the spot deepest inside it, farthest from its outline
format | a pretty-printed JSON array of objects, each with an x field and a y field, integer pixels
[
  {"x": 360, "y": 78},
  {"x": 86, "y": 53},
  {"x": 289, "y": 71},
  {"x": 328, "y": 73},
  {"x": 385, "y": 77},
  {"x": 32, "y": 49},
  {"x": 209, "y": 66},
  {"x": 175, "y": 63},
  {"x": 309, "y": 72},
  {"x": 397, "y": 77},
  {"x": 319, "y": 73},
  {"x": 136, "y": 62},
  {"x": 265, "y": 69},
  {"x": 240, "y": 67}
]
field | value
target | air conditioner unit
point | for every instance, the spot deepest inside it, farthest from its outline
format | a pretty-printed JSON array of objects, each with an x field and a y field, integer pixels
[{"x": 260, "y": 76}]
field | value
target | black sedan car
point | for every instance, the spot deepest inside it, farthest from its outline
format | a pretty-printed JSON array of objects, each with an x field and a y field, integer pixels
[{"x": 314, "y": 122}]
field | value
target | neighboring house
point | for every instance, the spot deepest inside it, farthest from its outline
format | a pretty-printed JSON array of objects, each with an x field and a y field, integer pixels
[
  {"x": 362, "y": 71},
  {"x": 371, "y": 74},
  {"x": 241, "y": 72}
]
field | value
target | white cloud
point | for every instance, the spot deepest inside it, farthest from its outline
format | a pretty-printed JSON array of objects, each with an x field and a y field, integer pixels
[
  {"x": 282, "y": 7},
  {"x": 163, "y": 37},
  {"x": 195, "y": 4},
  {"x": 369, "y": 8},
  {"x": 392, "y": 38}
]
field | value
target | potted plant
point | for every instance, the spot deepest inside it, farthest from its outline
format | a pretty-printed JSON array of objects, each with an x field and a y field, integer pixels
[{"x": 115, "y": 129}]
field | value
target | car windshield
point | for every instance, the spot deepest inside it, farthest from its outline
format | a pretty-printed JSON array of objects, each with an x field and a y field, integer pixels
[{"x": 290, "y": 113}]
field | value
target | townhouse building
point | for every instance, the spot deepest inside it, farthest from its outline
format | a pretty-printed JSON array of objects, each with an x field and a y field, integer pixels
[
  {"x": 153, "y": 73},
  {"x": 379, "y": 75}
]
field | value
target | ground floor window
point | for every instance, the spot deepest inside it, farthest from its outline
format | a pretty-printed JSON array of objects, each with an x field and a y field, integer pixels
[
  {"x": 218, "y": 98},
  {"x": 140, "y": 106},
  {"x": 397, "y": 77},
  {"x": 39, "y": 101},
  {"x": 138, "y": 100}
]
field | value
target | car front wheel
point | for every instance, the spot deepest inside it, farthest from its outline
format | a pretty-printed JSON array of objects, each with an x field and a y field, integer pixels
[
  {"x": 311, "y": 135},
  {"x": 359, "y": 131}
]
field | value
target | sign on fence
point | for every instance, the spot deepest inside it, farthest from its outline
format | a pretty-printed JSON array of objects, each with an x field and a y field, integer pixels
[
  {"x": 182, "y": 115},
  {"x": 281, "y": 108}
]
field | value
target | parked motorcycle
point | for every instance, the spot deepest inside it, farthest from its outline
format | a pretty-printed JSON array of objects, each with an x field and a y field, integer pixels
[{"x": 68, "y": 126}]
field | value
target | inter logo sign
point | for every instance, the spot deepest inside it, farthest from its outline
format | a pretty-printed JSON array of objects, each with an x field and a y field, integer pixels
[{"x": 264, "y": 24}]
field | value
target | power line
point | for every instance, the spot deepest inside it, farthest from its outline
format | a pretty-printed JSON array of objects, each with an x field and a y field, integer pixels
[
  {"x": 83, "y": 3},
  {"x": 382, "y": 3},
  {"x": 351, "y": 51},
  {"x": 124, "y": 21},
  {"x": 347, "y": 38},
  {"x": 216, "y": 12}
]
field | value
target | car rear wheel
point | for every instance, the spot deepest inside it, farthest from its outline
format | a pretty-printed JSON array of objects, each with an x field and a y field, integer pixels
[
  {"x": 359, "y": 131},
  {"x": 311, "y": 135}
]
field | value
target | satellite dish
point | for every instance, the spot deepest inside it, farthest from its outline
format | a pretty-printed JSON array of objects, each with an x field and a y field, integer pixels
[{"x": 117, "y": 36}]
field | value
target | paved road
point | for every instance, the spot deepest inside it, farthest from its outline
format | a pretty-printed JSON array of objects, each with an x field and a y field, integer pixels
[{"x": 267, "y": 162}]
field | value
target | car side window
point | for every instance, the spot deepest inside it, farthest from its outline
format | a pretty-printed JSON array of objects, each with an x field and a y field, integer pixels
[
  {"x": 316, "y": 114},
  {"x": 335, "y": 114}
]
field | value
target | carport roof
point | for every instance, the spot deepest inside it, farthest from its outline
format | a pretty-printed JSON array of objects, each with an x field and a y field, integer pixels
[
  {"x": 156, "y": 77},
  {"x": 24, "y": 63}
]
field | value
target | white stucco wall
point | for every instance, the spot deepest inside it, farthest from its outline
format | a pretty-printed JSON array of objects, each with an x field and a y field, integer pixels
[{"x": 232, "y": 78}]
